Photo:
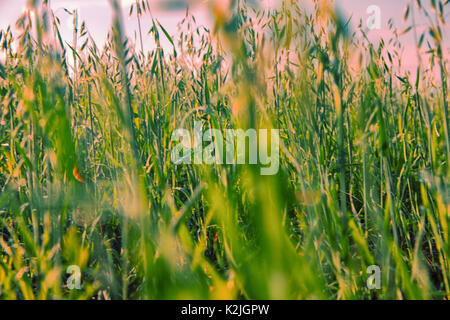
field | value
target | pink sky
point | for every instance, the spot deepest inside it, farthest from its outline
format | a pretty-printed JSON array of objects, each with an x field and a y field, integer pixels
[{"x": 97, "y": 15}]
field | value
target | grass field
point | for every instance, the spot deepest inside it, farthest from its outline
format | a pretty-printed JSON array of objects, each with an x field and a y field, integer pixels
[{"x": 86, "y": 176}]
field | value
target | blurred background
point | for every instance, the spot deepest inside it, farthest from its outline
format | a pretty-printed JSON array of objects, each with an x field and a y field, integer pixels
[{"x": 97, "y": 16}]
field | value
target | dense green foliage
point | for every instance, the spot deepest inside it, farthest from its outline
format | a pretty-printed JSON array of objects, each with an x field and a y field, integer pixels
[{"x": 86, "y": 176}]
